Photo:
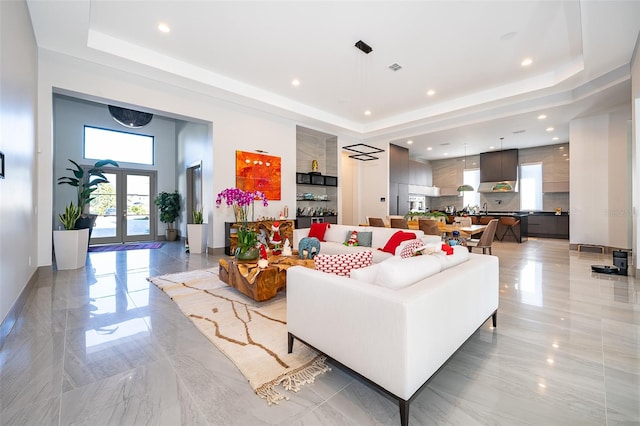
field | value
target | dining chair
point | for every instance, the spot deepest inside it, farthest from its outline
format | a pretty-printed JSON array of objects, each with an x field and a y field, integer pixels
[
  {"x": 429, "y": 227},
  {"x": 484, "y": 220},
  {"x": 485, "y": 240},
  {"x": 510, "y": 223},
  {"x": 463, "y": 221},
  {"x": 399, "y": 223},
  {"x": 376, "y": 221}
]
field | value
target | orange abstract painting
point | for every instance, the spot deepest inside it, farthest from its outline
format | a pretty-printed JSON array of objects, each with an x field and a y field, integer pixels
[{"x": 258, "y": 172}]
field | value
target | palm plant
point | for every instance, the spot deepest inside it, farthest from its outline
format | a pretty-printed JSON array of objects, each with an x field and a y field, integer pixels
[{"x": 86, "y": 181}]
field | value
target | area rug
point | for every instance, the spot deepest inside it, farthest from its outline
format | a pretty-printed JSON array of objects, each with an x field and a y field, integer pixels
[
  {"x": 120, "y": 247},
  {"x": 253, "y": 335}
]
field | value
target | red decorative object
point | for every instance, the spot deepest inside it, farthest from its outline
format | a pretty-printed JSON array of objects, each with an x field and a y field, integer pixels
[
  {"x": 318, "y": 229},
  {"x": 276, "y": 239},
  {"x": 447, "y": 249},
  {"x": 396, "y": 239}
]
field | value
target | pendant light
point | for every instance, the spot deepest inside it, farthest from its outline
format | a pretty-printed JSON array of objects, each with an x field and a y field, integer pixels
[
  {"x": 503, "y": 185},
  {"x": 465, "y": 187}
]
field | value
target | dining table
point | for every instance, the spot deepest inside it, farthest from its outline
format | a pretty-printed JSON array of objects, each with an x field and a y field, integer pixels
[{"x": 446, "y": 228}]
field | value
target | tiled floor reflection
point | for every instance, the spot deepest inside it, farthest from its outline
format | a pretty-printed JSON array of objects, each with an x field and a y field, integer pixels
[{"x": 101, "y": 346}]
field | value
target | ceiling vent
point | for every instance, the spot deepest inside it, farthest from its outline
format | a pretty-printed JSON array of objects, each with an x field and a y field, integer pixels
[
  {"x": 395, "y": 67},
  {"x": 130, "y": 118}
]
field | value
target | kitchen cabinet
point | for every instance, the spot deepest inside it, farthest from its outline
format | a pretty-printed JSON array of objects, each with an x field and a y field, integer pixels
[
  {"x": 549, "y": 226},
  {"x": 398, "y": 180}
]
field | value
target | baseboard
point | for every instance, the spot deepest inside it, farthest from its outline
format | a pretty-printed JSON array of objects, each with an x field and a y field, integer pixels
[{"x": 16, "y": 309}]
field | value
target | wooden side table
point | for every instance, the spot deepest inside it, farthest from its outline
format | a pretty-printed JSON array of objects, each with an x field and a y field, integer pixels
[{"x": 256, "y": 283}]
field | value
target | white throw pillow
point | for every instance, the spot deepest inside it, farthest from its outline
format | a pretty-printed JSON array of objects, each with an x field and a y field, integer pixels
[
  {"x": 460, "y": 254},
  {"x": 396, "y": 272},
  {"x": 367, "y": 274}
]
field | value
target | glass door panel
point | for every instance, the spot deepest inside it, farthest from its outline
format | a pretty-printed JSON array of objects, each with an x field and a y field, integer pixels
[
  {"x": 105, "y": 206},
  {"x": 138, "y": 208},
  {"x": 124, "y": 208}
]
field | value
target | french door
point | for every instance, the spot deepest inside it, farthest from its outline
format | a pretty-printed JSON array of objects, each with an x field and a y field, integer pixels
[{"x": 124, "y": 208}]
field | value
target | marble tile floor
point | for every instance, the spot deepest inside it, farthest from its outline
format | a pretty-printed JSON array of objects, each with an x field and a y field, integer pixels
[{"x": 102, "y": 346}]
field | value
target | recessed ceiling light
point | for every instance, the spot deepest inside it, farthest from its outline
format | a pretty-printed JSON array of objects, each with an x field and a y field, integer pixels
[
  {"x": 431, "y": 92},
  {"x": 163, "y": 28},
  {"x": 526, "y": 62},
  {"x": 446, "y": 153},
  {"x": 492, "y": 147},
  {"x": 555, "y": 138},
  {"x": 409, "y": 142},
  {"x": 561, "y": 147},
  {"x": 295, "y": 82},
  {"x": 549, "y": 129},
  {"x": 542, "y": 117},
  {"x": 429, "y": 148},
  {"x": 367, "y": 112}
]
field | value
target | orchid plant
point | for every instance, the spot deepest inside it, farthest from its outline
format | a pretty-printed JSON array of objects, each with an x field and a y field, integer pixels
[{"x": 241, "y": 202}]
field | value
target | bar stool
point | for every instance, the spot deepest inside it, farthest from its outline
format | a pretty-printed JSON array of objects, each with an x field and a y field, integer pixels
[{"x": 510, "y": 223}]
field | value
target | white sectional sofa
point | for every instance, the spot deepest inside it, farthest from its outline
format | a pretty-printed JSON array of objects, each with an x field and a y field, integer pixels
[
  {"x": 395, "y": 338},
  {"x": 336, "y": 235}
]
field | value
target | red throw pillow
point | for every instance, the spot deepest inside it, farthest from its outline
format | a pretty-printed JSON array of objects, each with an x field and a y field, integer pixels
[
  {"x": 396, "y": 239},
  {"x": 318, "y": 229}
]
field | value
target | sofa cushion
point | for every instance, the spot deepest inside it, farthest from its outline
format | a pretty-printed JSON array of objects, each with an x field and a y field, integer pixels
[
  {"x": 396, "y": 272},
  {"x": 396, "y": 239},
  {"x": 460, "y": 254},
  {"x": 318, "y": 230},
  {"x": 366, "y": 274},
  {"x": 343, "y": 264}
]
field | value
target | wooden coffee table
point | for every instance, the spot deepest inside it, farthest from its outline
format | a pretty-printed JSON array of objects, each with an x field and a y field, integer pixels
[{"x": 256, "y": 283}]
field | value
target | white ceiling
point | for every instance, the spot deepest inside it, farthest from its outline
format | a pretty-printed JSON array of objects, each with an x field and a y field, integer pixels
[{"x": 469, "y": 52}]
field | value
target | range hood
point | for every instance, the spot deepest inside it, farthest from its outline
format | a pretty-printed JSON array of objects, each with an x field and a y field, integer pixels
[
  {"x": 498, "y": 171},
  {"x": 494, "y": 187}
]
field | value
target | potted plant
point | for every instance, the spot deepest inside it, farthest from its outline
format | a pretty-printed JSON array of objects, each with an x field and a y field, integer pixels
[
  {"x": 70, "y": 244},
  {"x": 86, "y": 182},
  {"x": 197, "y": 233},
  {"x": 241, "y": 201},
  {"x": 169, "y": 206}
]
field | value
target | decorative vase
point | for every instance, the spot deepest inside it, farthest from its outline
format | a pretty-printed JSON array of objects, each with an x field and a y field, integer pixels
[{"x": 250, "y": 254}]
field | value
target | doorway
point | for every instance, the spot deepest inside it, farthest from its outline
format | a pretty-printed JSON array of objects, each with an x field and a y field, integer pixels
[
  {"x": 124, "y": 208},
  {"x": 194, "y": 189}
]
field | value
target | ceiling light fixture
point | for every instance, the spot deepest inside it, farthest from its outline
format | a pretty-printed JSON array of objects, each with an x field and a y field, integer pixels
[
  {"x": 549, "y": 129},
  {"x": 555, "y": 138},
  {"x": 542, "y": 117},
  {"x": 409, "y": 142},
  {"x": 364, "y": 152},
  {"x": 504, "y": 185},
  {"x": 129, "y": 117},
  {"x": 431, "y": 92},
  {"x": 164, "y": 28},
  {"x": 526, "y": 62},
  {"x": 465, "y": 187},
  {"x": 295, "y": 82}
]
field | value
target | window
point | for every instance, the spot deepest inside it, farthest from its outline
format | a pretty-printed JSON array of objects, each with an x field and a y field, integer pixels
[
  {"x": 471, "y": 177},
  {"x": 531, "y": 186},
  {"x": 118, "y": 146}
]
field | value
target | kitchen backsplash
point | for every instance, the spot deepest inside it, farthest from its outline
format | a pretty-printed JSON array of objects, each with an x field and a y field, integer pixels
[{"x": 505, "y": 202}]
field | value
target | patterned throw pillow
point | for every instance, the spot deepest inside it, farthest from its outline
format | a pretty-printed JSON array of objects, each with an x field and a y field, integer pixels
[
  {"x": 342, "y": 264},
  {"x": 409, "y": 249}
]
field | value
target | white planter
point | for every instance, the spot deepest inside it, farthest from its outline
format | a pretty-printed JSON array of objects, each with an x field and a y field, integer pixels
[
  {"x": 197, "y": 235},
  {"x": 71, "y": 248}
]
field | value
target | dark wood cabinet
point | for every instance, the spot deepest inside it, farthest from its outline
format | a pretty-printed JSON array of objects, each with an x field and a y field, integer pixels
[
  {"x": 549, "y": 226},
  {"x": 499, "y": 166}
]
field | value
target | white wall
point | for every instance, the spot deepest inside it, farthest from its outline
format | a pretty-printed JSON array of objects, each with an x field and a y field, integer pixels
[
  {"x": 600, "y": 180},
  {"x": 194, "y": 145},
  {"x": 635, "y": 151},
  {"x": 18, "y": 64}
]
